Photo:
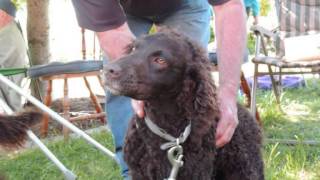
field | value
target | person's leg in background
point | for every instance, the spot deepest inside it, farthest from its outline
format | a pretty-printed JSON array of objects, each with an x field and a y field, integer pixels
[
  {"x": 248, "y": 9},
  {"x": 118, "y": 108},
  {"x": 13, "y": 54}
]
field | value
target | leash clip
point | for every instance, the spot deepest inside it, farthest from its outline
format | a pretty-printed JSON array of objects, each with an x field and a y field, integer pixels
[{"x": 175, "y": 155}]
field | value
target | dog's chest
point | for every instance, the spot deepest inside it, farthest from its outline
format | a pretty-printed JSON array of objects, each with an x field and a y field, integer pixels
[
  {"x": 154, "y": 162},
  {"x": 196, "y": 164},
  {"x": 195, "y": 159}
]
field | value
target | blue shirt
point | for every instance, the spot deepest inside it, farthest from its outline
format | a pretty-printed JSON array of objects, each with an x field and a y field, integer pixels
[{"x": 254, "y": 5}]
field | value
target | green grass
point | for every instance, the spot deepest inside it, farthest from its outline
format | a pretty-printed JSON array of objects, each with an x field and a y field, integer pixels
[
  {"x": 299, "y": 117},
  {"x": 298, "y": 162},
  {"x": 301, "y": 121},
  {"x": 77, "y": 155}
]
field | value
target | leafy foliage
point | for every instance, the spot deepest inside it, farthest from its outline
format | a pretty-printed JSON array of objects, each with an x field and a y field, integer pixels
[
  {"x": 264, "y": 7},
  {"x": 19, "y": 3}
]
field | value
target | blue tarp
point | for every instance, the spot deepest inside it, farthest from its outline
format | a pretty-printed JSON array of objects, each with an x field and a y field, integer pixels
[{"x": 290, "y": 81}]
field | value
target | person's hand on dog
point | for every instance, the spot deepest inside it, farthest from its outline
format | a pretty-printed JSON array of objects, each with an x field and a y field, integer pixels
[
  {"x": 115, "y": 41},
  {"x": 138, "y": 107},
  {"x": 228, "y": 120}
]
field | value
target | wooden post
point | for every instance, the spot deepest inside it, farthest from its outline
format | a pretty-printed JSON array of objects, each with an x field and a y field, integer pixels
[{"x": 38, "y": 36}]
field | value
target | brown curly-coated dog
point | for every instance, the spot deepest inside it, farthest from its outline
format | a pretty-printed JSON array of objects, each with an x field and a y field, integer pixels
[{"x": 172, "y": 76}]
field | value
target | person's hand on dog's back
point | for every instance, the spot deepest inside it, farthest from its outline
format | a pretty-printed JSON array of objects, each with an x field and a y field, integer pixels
[{"x": 228, "y": 120}]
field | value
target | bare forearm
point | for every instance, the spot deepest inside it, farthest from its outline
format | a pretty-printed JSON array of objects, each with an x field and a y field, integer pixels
[
  {"x": 114, "y": 41},
  {"x": 231, "y": 40}
]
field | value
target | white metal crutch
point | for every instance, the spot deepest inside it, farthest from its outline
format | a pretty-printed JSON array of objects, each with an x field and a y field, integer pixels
[
  {"x": 57, "y": 117},
  {"x": 66, "y": 172}
]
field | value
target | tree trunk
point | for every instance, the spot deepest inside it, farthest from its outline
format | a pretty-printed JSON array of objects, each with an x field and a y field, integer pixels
[{"x": 38, "y": 37}]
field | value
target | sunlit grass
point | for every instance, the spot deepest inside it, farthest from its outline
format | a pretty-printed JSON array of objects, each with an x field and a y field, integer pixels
[
  {"x": 291, "y": 162},
  {"x": 299, "y": 115},
  {"x": 298, "y": 119}
]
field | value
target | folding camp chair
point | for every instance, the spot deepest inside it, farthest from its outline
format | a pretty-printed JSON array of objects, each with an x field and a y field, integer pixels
[{"x": 298, "y": 19}]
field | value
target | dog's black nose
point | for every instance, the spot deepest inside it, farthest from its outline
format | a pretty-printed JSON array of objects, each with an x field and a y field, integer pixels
[{"x": 112, "y": 70}]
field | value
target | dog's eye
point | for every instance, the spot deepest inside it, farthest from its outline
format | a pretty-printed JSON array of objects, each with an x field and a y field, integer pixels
[
  {"x": 130, "y": 48},
  {"x": 160, "y": 60}
]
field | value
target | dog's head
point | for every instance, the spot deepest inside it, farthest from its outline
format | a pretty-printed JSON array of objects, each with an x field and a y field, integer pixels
[{"x": 155, "y": 66}]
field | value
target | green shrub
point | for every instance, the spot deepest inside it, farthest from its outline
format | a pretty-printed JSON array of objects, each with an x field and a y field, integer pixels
[
  {"x": 19, "y": 3},
  {"x": 264, "y": 7}
]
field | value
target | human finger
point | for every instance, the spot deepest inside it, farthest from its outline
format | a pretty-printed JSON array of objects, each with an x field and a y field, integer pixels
[{"x": 138, "y": 107}]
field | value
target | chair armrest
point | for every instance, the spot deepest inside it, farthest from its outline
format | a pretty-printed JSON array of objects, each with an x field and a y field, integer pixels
[
  {"x": 263, "y": 31},
  {"x": 71, "y": 67}
]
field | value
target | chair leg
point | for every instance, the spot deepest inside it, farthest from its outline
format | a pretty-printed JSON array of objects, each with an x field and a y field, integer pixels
[
  {"x": 253, "y": 105},
  {"x": 274, "y": 85},
  {"x": 47, "y": 102},
  {"x": 246, "y": 89},
  {"x": 66, "y": 108},
  {"x": 280, "y": 83},
  {"x": 94, "y": 99}
]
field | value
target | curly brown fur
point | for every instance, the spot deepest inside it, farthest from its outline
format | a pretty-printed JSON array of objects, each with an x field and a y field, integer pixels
[
  {"x": 172, "y": 76},
  {"x": 13, "y": 127}
]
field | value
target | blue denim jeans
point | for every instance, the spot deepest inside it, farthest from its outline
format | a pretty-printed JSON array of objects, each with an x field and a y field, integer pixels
[{"x": 192, "y": 19}]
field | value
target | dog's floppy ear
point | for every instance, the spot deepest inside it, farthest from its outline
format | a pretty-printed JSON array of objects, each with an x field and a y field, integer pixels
[
  {"x": 198, "y": 80},
  {"x": 199, "y": 92},
  {"x": 198, "y": 89}
]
